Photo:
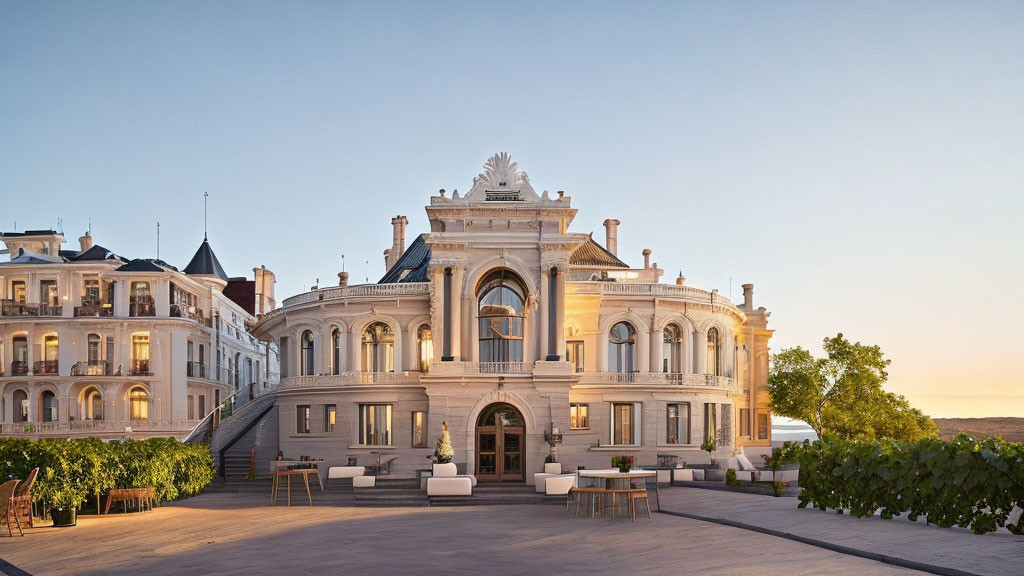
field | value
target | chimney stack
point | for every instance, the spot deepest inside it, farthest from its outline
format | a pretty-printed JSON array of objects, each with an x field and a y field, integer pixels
[
  {"x": 680, "y": 280},
  {"x": 611, "y": 236},
  {"x": 397, "y": 239},
  {"x": 342, "y": 278},
  {"x": 265, "y": 281},
  {"x": 748, "y": 296},
  {"x": 647, "y": 257},
  {"x": 85, "y": 241}
]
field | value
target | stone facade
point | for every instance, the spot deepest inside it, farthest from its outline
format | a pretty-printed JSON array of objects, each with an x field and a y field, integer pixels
[{"x": 500, "y": 303}]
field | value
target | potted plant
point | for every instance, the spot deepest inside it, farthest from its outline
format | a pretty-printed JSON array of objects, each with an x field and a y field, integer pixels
[
  {"x": 443, "y": 451},
  {"x": 709, "y": 446},
  {"x": 623, "y": 463},
  {"x": 63, "y": 481}
]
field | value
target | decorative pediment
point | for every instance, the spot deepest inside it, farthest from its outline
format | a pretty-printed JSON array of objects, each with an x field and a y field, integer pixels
[{"x": 501, "y": 181}]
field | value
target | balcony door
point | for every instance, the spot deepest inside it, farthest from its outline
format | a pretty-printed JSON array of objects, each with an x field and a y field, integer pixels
[{"x": 500, "y": 444}]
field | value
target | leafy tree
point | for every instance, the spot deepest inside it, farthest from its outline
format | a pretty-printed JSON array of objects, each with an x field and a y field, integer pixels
[{"x": 842, "y": 393}]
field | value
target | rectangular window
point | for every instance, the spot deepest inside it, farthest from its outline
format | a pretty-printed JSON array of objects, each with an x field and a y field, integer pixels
[
  {"x": 302, "y": 419},
  {"x": 375, "y": 424},
  {"x": 579, "y": 416},
  {"x": 745, "y": 422},
  {"x": 725, "y": 432},
  {"x": 202, "y": 405},
  {"x": 625, "y": 422},
  {"x": 419, "y": 429},
  {"x": 574, "y": 355},
  {"x": 330, "y": 417},
  {"x": 762, "y": 425},
  {"x": 677, "y": 429},
  {"x": 710, "y": 421}
]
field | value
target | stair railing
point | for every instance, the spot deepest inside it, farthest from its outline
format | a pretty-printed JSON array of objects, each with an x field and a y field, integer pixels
[{"x": 213, "y": 420}]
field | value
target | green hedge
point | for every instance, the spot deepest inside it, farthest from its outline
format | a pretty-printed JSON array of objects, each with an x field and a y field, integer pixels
[
  {"x": 71, "y": 471},
  {"x": 963, "y": 482}
]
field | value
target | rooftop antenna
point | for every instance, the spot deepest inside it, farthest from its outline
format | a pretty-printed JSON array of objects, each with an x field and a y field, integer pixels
[
  {"x": 157, "y": 240},
  {"x": 342, "y": 262},
  {"x": 205, "y": 196},
  {"x": 367, "y": 276},
  {"x": 90, "y": 226}
]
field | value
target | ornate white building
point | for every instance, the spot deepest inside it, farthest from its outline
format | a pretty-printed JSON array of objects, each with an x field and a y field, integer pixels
[
  {"x": 512, "y": 329},
  {"x": 93, "y": 344}
]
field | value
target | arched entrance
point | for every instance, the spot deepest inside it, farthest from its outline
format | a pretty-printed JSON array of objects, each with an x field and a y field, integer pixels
[{"x": 500, "y": 444}]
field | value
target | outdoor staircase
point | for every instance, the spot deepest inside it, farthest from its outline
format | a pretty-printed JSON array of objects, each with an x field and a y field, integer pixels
[{"x": 233, "y": 442}]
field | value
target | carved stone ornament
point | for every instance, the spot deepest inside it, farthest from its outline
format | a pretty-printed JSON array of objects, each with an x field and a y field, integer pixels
[{"x": 500, "y": 170}]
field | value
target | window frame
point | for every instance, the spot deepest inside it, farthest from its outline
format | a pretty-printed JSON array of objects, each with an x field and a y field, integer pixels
[
  {"x": 635, "y": 423},
  {"x": 575, "y": 354},
  {"x": 582, "y": 421},
  {"x": 421, "y": 427},
  {"x": 302, "y": 418},
  {"x": 330, "y": 418},
  {"x": 682, "y": 423},
  {"x": 371, "y": 438}
]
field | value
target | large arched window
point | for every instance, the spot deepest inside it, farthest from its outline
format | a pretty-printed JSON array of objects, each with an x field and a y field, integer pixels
[
  {"x": 336, "y": 351},
  {"x": 308, "y": 364},
  {"x": 502, "y": 308},
  {"x": 622, "y": 348},
  {"x": 138, "y": 403},
  {"x": 49, "y": 406},
  {"x": 672, "y": 350},
  {"x": 92, "y": 405},
  {"x": 714, "y": 357},
  {"x": 51, "y": 347},
  {"x": 425, "y": 341},
  {"x": 378, "y": 348},
  {"x": 19, "y": 362}
]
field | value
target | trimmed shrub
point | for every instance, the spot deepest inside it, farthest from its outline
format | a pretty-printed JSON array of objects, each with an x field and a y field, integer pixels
[{"x": 963, "y": 482}]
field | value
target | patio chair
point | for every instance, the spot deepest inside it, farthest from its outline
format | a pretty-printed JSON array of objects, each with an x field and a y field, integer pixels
[
  {"x": 384, "y": 468},
  {"x": 8, "y": 511},
  {"x": 639, "y": 494},
  {"x": 23, "y": 499}
]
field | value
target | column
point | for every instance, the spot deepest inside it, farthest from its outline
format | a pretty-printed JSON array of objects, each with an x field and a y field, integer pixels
[
  {"x": 558, "y": 310},
  {"x": 326, "y": 359},
  {"x": 657, "y": 364},
  {"x": 410, "y": 357},
  {"x": 354, "y": 361},
  {"x": 31, "y": 349},
  {"x": 456, "y": 318},
  {"x": 643, "y": 353},
  {"x": 602, "y": 351},
  {"x": 162, "y": 296},
  {"x": 543, "y": 318},
  {"x": 700, "y": 352},
  {"x": 65, "y": 351},
  {"x": 121, "y": 298}
]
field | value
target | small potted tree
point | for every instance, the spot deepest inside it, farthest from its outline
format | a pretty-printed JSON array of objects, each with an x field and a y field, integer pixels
[
  {"x": 63, "y": 484},
  {"x": 443, "y": 451}
]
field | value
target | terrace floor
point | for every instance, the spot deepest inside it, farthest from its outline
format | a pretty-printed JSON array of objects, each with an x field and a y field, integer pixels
[{"x": 239, "y": 533}]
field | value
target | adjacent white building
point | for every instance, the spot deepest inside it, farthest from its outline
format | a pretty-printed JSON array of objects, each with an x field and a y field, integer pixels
[{"x": 95, "y": 344}]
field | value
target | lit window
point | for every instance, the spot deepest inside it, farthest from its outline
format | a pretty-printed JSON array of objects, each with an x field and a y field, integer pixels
[
  {"x": 672, "y": 350},
  {"x": 501, "y": 309},
  {"x": 574, "y": 354},
  {"x": 140, "y": 355},
  {"x": 419, "y": 429},
  {"x": 302, "y": 419},
  {"x": 579, "y": 416},
  {"x": 138, "y": 401},
  {"x": 625, "y": 423},
  {"x": 330, "y": 417},
  {"x": 426, "y": 343},
  {"x": 378, "y": 348},
  {"x": 375, "y": 424},
  {"x": 621, "y": 348},
  {"x": 762, "y": 425}
]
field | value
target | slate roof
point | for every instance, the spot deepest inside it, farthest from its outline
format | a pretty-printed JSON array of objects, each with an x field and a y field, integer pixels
[
  {"x": 30, "y": 257},
  {"x": 28, "y": 233},
  {"x": 146, "y": 265},
  {"x": 205, "y": 263},
  {"x": 592, "y": 254},
  {"x": 415, "y": 259},
  {"x": 95, "y": 253}
]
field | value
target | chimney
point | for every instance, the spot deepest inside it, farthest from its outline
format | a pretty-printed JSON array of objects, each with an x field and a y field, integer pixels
[
  {"x": 680, "y": 280},
  {"x": 647, "y": 257},
  {"x": 264, "y": 290},
  {"x": 85, "y": 241},
  {"x": 748, "y": 296},
  {"x": 397, "y": 239},
  {"x": 342, "y": 278},
  {"x": 611, "y": 236}
]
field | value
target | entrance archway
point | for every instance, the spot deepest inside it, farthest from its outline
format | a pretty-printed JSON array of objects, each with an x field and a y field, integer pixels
[{"x": 500, "y": 444}]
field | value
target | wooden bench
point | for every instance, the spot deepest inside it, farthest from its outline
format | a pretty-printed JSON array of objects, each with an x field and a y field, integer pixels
[{"x": 143, "y": 497}]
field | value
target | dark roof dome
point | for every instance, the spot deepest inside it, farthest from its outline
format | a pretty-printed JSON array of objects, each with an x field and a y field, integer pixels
[{"x": 205, "y": 263}]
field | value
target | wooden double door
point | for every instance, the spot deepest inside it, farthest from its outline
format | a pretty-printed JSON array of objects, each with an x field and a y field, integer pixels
[{"x": 500, "y": 445}]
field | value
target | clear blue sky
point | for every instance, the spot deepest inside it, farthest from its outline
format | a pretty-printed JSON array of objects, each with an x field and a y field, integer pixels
[{"x": 861, "y": 163}]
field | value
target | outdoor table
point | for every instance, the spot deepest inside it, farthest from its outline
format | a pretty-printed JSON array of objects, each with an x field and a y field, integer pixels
[
  {"x": 616, "y": 480},
  {"x": 304, "y": 472},
  {"x": 276, "y": 466}
]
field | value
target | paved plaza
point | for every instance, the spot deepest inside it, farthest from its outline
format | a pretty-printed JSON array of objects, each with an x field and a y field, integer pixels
[{"x": 228, "y": 533}]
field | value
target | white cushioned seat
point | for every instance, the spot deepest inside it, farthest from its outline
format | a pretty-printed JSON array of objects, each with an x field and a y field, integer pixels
[
  {"x": 745, "y": 475},
  {"x": 559, "y": 484},
  {"x": 552, "y": 468},
  {"x": 457, "y": 486},
  {"x": 682, "y": 475},
  {"x": 335, "y": 472},
  {"x": 364, "y": 481}
]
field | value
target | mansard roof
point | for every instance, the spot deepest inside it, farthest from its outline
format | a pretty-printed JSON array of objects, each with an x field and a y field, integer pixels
[
  {"x": 593, "y": 255},
  {"x": 29, "y": 257},
  {"x": 205, "y": 263},
  {"x": 146, "y": 265},
  {"x": 97, "y": 252},
  {"x": 414, "y": 260}
]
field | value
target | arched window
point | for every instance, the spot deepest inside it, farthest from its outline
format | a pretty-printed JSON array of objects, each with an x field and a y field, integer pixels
[
  {"x": 92, "y": 405},
  {"x": 308, "y": 357},
  {"x": 425, "y": 340},
  {"x": 94, "y": 366},
  {"x": 19, "y": 362},
  {"x": 51, "y": 347},
  {"x": 49, "y": 402},
  {"x": 336, "y": 351},
  {"x": 378, "y": 348},
  {"x": 714, "y": 357},
  {"x": 248, "y": 371},
  {"x": 672, "y": 350},
  {"x": 622, "y": 348},
  {"x": 138, "y": 403},
  {"x": 502, "y": 307},
  {"x": 141, "y": 300},
  {"x": 20, "y": 399}
]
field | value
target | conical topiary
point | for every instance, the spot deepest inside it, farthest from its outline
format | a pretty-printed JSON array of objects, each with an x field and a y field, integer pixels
[{"x": 443, "y": 452}]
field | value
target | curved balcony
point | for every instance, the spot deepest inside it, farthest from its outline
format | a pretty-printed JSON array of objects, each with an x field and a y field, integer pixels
[
  {"x": 349, "y": 379},
  {"x": 660, "y": 379},
  {"x": 362, "y": 290},
  {"x": 687, "y": 293},
  {"x": 92, "y": 426},
  {"x": 478, "y": 368}
]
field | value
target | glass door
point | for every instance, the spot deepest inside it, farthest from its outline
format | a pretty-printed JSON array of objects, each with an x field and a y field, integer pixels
[{"x": 500, "y": 439}]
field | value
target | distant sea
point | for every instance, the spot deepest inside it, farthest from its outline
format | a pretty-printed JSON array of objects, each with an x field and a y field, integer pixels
[{"x": 791, "y": 431}]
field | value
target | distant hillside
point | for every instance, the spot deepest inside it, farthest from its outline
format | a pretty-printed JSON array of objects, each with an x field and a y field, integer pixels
[{"x": 1009, "y": 428}]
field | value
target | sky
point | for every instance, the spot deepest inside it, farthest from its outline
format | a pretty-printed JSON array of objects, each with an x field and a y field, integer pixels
[{"x": 860, "y": 163}]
